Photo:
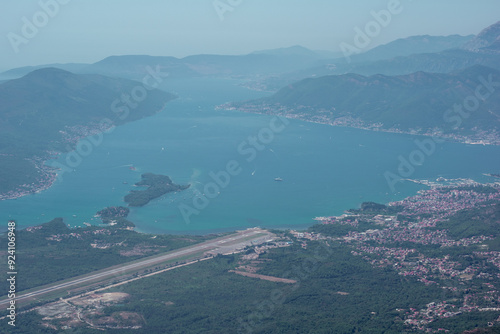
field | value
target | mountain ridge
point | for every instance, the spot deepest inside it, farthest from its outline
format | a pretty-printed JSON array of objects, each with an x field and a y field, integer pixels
[
  {"x": 485, "y": 38},
  {"x": 277, "y": 61},
  {"x": 417, "y": 102}
]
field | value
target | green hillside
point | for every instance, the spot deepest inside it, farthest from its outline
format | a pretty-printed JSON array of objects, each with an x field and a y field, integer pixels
[
  {"x": 49, "y": 109},
  {"x": 416, "y": 101}
]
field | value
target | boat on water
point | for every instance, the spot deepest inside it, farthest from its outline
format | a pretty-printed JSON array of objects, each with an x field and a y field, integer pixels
[{"x": 279, "y": 179}]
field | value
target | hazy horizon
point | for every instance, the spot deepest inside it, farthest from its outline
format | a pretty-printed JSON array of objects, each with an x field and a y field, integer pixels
[{"x": 65, "y": 31}]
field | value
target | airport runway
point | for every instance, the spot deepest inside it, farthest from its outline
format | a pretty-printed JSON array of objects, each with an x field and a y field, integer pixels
[{"x": 224, "y": 244}]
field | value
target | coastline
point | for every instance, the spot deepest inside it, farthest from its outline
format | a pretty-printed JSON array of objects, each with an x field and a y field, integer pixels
[
  {"x": 70, "y": 136},
  {"x": 45, "y": 181},
  {"x": 303, "y": 227},
  {"x": 356, "y": 123}
]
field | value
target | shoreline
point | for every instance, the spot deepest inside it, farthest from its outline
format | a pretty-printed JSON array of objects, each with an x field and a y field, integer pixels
[
  {"x": 50, "y": 174},
  {"x": 71, "y": 135},
  {"x": 48, "y": 178},
  {"x": 303, "y": 227},
  {"x": 350, "y": 122}
]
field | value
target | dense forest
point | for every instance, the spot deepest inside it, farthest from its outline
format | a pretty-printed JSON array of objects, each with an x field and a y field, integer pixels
[
  {"x": 334, "y": 293},
  {"x": 53, "y": 252}
]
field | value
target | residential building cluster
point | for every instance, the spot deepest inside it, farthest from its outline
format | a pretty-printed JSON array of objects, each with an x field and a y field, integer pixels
[{"x": 473, "y": 279}]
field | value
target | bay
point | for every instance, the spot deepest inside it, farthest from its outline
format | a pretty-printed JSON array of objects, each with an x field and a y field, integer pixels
[{"x": 325, "y": 170}]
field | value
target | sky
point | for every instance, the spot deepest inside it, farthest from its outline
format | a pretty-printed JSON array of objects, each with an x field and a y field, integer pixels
[{"x": 86, "y": 31}]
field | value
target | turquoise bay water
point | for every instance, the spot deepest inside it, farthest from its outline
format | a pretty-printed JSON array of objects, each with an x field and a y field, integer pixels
[{"x": 325, "y": 170}]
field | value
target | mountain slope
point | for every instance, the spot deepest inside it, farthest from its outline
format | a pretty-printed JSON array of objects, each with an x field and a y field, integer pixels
[
  {"x": 485, "y": 38},
  {"x": 413, "y": 45},
  {"x": 418, "y": 101},
  {"x": 474, "y": 52},
  {"x": 18, "y": 72},
  {"x": 441, "y": 62},
  {"x": 49, "y": 108}
]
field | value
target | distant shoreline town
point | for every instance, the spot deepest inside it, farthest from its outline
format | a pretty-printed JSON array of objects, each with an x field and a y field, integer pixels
[
  {"x": 47, "y": 174},
  {"x": 405, "y": 230},
  {"x": 323, "y": 116},
  {"x": 46, "y": 179}
]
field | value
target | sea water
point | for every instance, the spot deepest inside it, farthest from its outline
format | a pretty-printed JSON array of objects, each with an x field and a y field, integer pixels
[{"x": 324, "y": 170}]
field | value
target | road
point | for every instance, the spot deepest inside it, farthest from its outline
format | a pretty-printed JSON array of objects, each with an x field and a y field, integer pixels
[{"x": 235, "y": 241}]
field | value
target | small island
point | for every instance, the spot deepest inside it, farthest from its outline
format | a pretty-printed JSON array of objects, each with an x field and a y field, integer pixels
[
  {"x": 112, "y": 213},
  {"x": 116, "y": 216},
  {"x": 158, "y": 185}
]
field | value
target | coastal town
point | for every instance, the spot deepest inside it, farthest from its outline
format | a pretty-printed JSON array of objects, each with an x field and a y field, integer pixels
[
  {"x": 46, "y": 175},
  {"x": 333, "y": 118},
  {"x": 413, "y": 244}
]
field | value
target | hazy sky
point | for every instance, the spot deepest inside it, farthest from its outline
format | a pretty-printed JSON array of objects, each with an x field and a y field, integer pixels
[{"x": 90, "y": 30}]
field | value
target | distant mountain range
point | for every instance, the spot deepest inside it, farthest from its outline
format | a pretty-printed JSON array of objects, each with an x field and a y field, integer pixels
[
  {"x": 405, "y": 56},
  {"x": 415, "y": 93},
  {"x": 267, "y": 62},
  {"x": 292, "y": 63},
  {"x": 50, "y": 109}
]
